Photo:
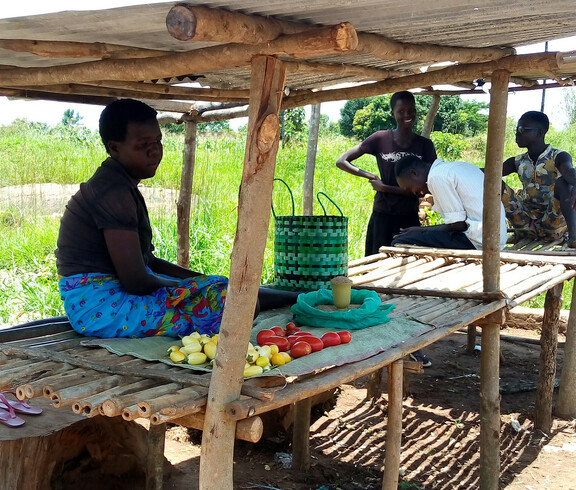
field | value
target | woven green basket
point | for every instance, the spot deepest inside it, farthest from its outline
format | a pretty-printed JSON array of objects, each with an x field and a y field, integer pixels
[{"x": 309, "y": 250}]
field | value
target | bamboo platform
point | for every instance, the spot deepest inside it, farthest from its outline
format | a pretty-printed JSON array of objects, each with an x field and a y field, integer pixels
[
  {"x": 442, "y": 288},
  {"x": 439, "y": 287}
]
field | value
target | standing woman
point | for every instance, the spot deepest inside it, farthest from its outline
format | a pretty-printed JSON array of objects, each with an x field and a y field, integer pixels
[{"x": 393, "y": 208}]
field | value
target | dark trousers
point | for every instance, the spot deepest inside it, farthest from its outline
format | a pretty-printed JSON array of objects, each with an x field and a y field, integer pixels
[
  {"x": 382, "y": 228},
  {"x": 435, "y": 239}
]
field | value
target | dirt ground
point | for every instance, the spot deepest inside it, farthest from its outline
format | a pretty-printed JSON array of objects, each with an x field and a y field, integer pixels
[{"x": 440, "y": 440}]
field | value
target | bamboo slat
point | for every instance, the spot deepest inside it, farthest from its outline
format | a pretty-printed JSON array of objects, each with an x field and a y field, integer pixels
[
  {"x": 533, "y": 282},
  {"x": 382, "y": 272},
  {"x": 435, "y": 273},
  {"x": 412, "y": 273},
  {"x": 184, "y": 401},
  {"x": 114, "y": 406},
  {"x": 89, "y": 405},
  {"x": 386, "y": 263},
  {"x": 36, "y": 388},
  {"x": 539, "y": 290},
  {"x": 452, "y": 279},
  {"x": 69, "y": 395}
]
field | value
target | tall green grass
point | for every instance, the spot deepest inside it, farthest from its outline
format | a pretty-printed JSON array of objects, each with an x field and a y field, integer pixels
[{"x": 34, "y": 153}]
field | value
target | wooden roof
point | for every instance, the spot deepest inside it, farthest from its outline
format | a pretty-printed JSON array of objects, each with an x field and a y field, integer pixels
[{"x": 91, "y": 56}]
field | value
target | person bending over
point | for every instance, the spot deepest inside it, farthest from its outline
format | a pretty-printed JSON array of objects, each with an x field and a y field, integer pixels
[
  {"x": 111, "y": 283},
  {"x": 544, "y": 207},
  {"x": 394, "y": 208},
  {"x": 457, "y": 189}
]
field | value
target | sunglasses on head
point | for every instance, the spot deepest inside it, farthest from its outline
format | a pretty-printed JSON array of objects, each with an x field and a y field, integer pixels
[{"x": 522, "y": 129}]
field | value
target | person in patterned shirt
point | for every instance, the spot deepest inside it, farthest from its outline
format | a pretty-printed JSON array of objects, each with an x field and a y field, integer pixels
[{"x": 544, "y": 208}]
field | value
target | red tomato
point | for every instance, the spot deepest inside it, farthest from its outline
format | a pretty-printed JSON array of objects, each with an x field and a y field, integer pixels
[
  {"x": 345, "y": 336},
  {"x": 315, "y": 343},
  {"x": 300, "y": 349},
  {"x": 281, "y": 342},
  {"x": 292, "y": 339},
  {"x": 291, "y": 328},
  {"x": 302, "y": 333},
  {"x": 279, "y": 331},
  {"x": 263, "y": 335},
  {"x": 331, "y": 338}
]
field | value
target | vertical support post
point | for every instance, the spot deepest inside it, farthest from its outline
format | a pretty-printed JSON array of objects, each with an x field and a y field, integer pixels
[
  {"x": 311, "y": 160},
  {"x": 547, "y": 366},
  {"x": 155, "y": 457},
  {"x": 394, "y": 426},
  {"x": 566, "y": 402},
  {"x": 254, "y": 201},
  {"x": 429, "y": 122},
  {"x": 183, "y": 204},
  {"x": 301, "y": 435},
  {"x": 490, "y": 354}
]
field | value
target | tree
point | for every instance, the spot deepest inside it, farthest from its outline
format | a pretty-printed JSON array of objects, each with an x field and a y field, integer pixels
[
  {"x": 347, "y": 114},
  {"x": 570, "y": 105},
  {"x": 215, "y": 126},
  {"x": 293, "y": 125},
  {"x": 454, "y": 116},
  {"x": 71, "y": 118}
]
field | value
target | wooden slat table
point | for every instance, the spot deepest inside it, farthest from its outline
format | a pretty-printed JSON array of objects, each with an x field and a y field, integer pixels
[{"x": 442, "y": 288}]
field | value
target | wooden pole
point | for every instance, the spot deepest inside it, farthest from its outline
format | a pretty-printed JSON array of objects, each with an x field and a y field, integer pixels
[
  {"x": 566, "y": 402},
  {"x": 490, "y": 354},
  {"x": 254, "y": 202},
  {"x": 191, "y": 23},
  {"x": 320, "y": 41},
  {"x": 394, "y": 426},
  {"x": 301, "y": 435},
  {"x": 429, "y": 123},
  {"x": 539, "y": 63},
  {"x": 155, "y": 457},
  {"x": 547, "y": 365},
  {"x": 184, "y": 202},
  {"x": 311, "y": 160}
]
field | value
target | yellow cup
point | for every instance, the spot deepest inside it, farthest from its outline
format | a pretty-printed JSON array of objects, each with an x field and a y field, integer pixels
[{"x": 341, "y": 291}]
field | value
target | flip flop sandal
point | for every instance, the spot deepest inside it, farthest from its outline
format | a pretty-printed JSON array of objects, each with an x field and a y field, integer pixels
[
  {"x": 9, "y": 418},
  {"x": 17, "y": 405}
]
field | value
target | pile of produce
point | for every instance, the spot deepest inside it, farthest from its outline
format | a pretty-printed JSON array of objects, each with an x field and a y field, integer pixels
[{"x": 277, "y": 346}]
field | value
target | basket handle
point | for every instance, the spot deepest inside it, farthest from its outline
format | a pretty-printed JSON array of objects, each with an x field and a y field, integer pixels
[
  {"x": 322, "y": 205},
  {"x": 291, "y": 197}
]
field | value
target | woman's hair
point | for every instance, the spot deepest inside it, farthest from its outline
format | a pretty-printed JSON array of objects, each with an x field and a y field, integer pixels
[
  {"x": 404, "y": 95},
  {"x": 117, "y": 115},
  {"x": 539, "y": 118}
]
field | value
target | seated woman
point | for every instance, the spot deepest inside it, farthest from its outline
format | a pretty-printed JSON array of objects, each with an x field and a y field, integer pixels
[{"x": 111, "y": 282}]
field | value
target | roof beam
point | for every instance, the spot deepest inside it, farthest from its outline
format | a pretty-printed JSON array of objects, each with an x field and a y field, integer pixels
[
  {"x": 190, "y": 23},
  {"x": 314, "y": 43},
  {"x": 70, "y": 49},
  {"x": 519, "y": 64}
]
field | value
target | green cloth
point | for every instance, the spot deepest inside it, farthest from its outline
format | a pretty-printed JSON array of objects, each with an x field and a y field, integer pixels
[
  {"x": 371, "y": 311},
  {"x": 365, "y": 343}
]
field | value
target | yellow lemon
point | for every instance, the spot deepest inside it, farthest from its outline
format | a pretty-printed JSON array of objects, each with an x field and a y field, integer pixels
[
  {"x": 262, "y": 361},
  {"x": 177, "y": 356},
  {"x": 210, "y": 349},
  {"x": 252, "y": 371},
  {"x": 197, "y": 358},
  {"x": 191, "y": 348}
]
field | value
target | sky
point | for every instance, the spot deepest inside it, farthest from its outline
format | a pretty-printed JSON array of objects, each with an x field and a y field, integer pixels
[{"x": 51, "y": 112}]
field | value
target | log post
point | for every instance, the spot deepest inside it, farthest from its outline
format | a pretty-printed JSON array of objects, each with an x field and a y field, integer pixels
[
  {"x": 254, "y": 202},
  {"x": 566, "y": 402},
  {"x": 301, "y": 435},
  {"x": 490, "y": 354},
  {"x": 155, "y": 457},
  {"x": 547, "y": 366},
  {"x": 184, "y": 202},
  {"x": 429, "y": 122},
  {"x": 311, "y": 160},
  {"x": 394, "y": 426}
]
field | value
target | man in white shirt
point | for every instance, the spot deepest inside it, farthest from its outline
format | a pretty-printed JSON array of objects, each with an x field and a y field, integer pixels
[{"x": 457, "y": 189}]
